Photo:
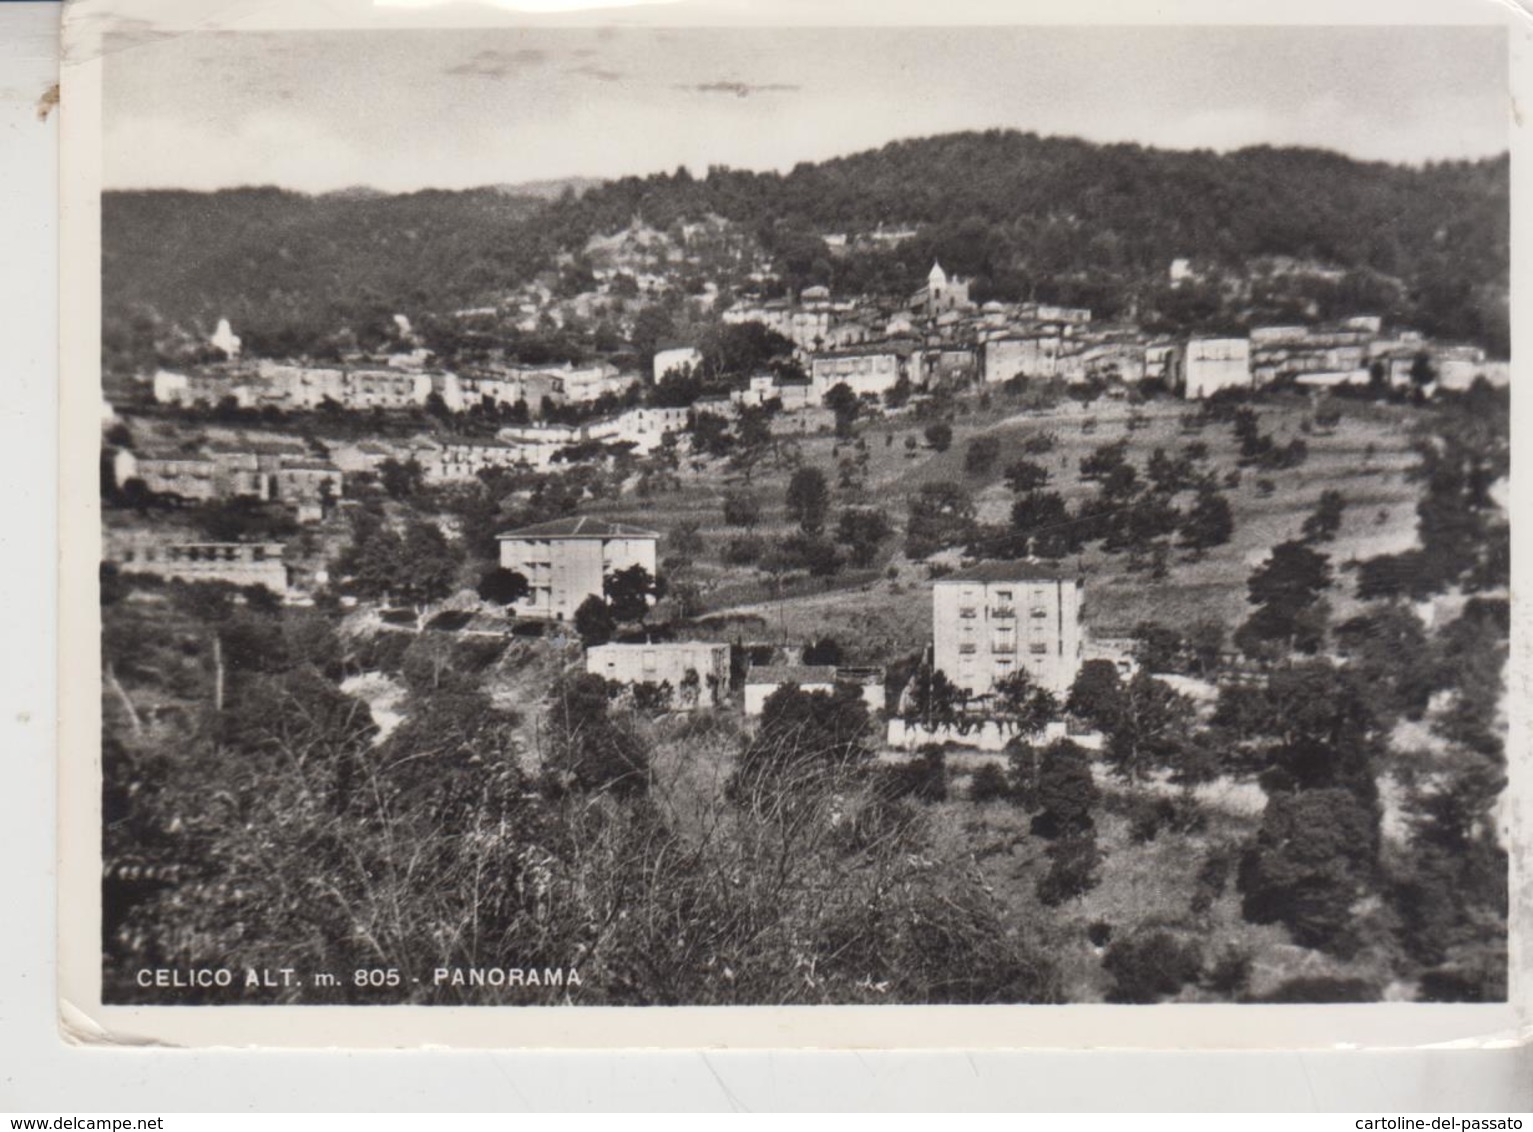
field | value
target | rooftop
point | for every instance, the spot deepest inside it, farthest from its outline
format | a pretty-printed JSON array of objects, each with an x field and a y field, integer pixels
[
  {"x": 864, "y": 349},
  {"x": 658, "y": 646},
  {"x": 580, "y": 526},
  {"x": 1020, "y": 570},
  {"x": 791, "y": 674}
]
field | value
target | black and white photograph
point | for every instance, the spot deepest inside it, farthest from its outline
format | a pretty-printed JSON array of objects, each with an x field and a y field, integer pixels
[{"x": 614, "y": 514}]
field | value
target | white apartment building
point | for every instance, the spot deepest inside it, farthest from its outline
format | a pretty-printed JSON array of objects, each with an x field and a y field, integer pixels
[
  {"x": 1203, "y": 366},
  {"x": 999, "y": 618},
  {"x": 565, "y": 561}
]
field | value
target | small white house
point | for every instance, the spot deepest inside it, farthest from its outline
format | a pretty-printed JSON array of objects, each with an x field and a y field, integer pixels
[
  {"x": 762, "y": 680},
  {"x": 676, "y": 358}
]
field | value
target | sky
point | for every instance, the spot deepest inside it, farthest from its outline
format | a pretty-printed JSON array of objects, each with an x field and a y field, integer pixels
[{"x": 404, "y": 110}]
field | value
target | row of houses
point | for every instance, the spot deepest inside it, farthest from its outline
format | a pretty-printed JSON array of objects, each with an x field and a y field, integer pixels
[
  {"x": 237, "y": 563},
  {"x": 218, "y": 472},
  {"x": 941, "y": 334},
  {"x": 290, "y": 386},
  {"x": 540, "y": 446},
  {"x": 1355, "y": 352},
  {"x": 1196, "y": 366}
]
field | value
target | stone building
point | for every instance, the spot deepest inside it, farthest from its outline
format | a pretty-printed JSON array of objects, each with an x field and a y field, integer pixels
[
  {"x": 872, "y": 369},
  {"x": 697, "y": 671},
  {"x": 238, "y": 563}
]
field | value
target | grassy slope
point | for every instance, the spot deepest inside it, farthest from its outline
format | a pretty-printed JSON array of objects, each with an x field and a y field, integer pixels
[{"x": 888, "y": 617}]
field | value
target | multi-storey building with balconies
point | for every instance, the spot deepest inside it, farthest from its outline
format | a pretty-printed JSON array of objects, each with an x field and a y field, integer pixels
[
  {"x": 566, "y": 561},
  {"x": 999, "y": 618}
]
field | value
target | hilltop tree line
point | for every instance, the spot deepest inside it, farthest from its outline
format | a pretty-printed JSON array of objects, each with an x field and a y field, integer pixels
[{"x": 1056, "y": 219}]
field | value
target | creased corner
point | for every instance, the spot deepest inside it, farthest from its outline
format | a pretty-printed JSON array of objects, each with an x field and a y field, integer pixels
[{"x": 78, "y": 1028}]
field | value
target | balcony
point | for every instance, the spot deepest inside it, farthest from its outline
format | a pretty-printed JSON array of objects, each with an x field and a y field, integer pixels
[
  {"x": 968, "y": 612},
  {"x": 967, "y": 650},
  {"x": 1004, "y": 611}
]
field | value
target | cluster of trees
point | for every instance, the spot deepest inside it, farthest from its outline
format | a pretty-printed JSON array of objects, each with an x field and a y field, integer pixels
[
  {"x": 416, "y": 566},
  {"x": 628, "y": 596},
  {"x": 1258, "y": 449},
  {"x": 1464, "y": 449},
  {"x": 1128, "y": 513},
  {"x": 318, "y": 274},
  {"x": 822, "y": 543}
]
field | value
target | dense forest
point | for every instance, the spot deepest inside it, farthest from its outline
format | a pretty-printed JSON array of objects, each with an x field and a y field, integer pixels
[
  {"x": 285, "y": 267},
  {"x": 1054, "y": 218}
]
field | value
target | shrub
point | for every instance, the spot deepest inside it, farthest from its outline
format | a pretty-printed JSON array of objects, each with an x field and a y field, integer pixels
[
  {"x": 1322, "y": 988},
  {"x": 1231, "y": 972},
  {"x": 988, "y": 784},
  {"x": 981, "y": 454},
  {"x": 743, "y": 551},
  {"x": 1212, "y": 878},
  {"x": 1148, "y": 966},
  {"x": 1457, "y": 984},
  {"x": 923, "y": 778},
  {"x": 1073, "y": 863}
]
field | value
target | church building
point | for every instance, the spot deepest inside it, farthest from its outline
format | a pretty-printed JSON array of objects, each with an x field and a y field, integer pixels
[{"x": 941, "y": 293}]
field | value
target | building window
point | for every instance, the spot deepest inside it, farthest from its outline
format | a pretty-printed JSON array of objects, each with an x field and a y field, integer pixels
[
  {"x": 968, "y": 611},
  {"x": 1038, "y": 648}
]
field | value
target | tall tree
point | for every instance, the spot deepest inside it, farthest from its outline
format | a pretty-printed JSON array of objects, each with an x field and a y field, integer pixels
[
  {"x": 862, "y": 530},
  {"x": 1309, "y": 863},
  {"x": 1325, "y": 521},
  {"x": 631, "y": 593},
  {"x": 1285, "y": 590},
  {"x": 1208, "y": 523},
  {"x": 1150, "y": 728},
  {"x": 587, "y": 750},
  {"x": 503, "y": 586},
  {"x": 808, "y": 499},
  {"x": 941, "y": 515}
]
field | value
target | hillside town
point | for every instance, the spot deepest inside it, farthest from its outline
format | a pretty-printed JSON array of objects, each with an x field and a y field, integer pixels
[{"x": 815, "y": 502}]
